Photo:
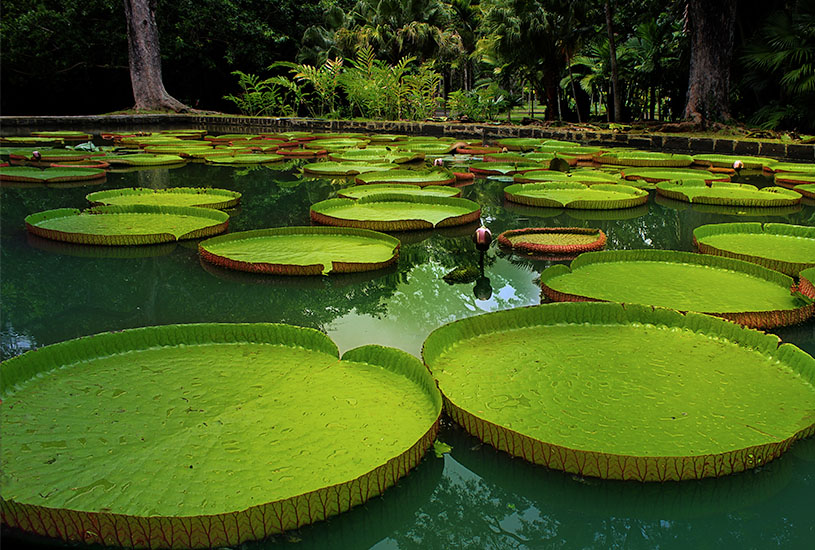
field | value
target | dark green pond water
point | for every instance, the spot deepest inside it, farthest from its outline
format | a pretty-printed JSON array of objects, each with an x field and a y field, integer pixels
[{"x": 474, "y": 497}]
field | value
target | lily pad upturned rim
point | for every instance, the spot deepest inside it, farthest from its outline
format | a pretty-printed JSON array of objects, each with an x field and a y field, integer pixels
[
  {"x": 320, "y": 212},
  {"x": 346, "y": 168},
  {"x": 399, "y": 188},
  {"x": 146, "y": 159},
  {"x": 549, "y": 249},
  {"x": 218, "y": 222},
  {"x": 789, "y": 268},
  {"x": 217, "y": 198},
  {"x": 629, "y": 196},
  {"x": 597, "y": 463},
  {"x": 718, "y": 194},
  {"x": 296, "y": 269},
  {"x": 645, "y": 158},
  {"x": 751, "y": 319},
  {"x": 232, "y": 527},
  {"x": 805, "y": 189},
  {"x": 415, "y": 177},
  {"x": 28, "y": 174}
]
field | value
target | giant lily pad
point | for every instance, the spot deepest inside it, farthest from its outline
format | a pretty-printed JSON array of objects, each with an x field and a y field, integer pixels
[
  {"x": 127, "y": 225},
  {"x": 175, "y": 196},
  {"x": 426, "y": 147},
  {"x": 587, "y": 177},
  {"x": 395, "y": 212},
  {"x": 696, "y": 191},
  {"x": 623, "y": 391},
  {"x": 655, "y": 175},
  {"x": 189, "y": 436},
  {"x": 806, "y": 189},
  {"x": 346, "y": 168},
  {"x": 251, "y": 158},
  {"x": 780, "y": 246},
  {"x": 645, "y": 158},
  {"x": 506, "y": 169},
  {"x": 359, "y": 191},
  {"x": 729, "y": 161},
  {"x": 49, "y": 175},
  {"x": 146, "y": 159},
  {"x": 375, "y": 155},
  {"x": 576, "y": 195},
  {"x": 67, "y": 135},
  {"x": 415, "y": 177},
  {"x": 743, "y": 292},
  {"x": 302, "y": 250},
  {"x": 520, "y": 144},
  {"x": 791, "y": 179},
  {"x": 553, "y": 240}
]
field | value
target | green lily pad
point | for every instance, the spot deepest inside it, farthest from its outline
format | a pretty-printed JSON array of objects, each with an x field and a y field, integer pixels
[
  {"x": 506, "y": 169},
  {"x": 375, "y": 155},
  {"x": 587, "y": 177},
  {"x": 191, "y": 436},
  {"x": 645, "y": 158},
  {"x": 359, "y": 191},
  {"x": 426, "y": 147},
  {"x": 791, "y": 179},
  {"x": 127, "y": 225},
  {"x": 145, "y": 159},
  {"x": 396, "y": 212},
  {"x": 786, "y": 248},
  {"x": 252, "y": 158},
  {"x": 50, "y": 155},
  {"x": 806, "y": 189},
  {"x": 728, "y": 161},
  {"x": 204, "y": 197},
  {"x": 302, "y": 250},
  {"x": 415, "y": 177},
  {"x": 743, "y": 292},
  {"x": 797, "y": 167},
  {"x": 623, "y": 391},
  {"x": 386, "y": 138},
  {"x": 346, "y": 168},
  {"x": 576, "y": 195},
  {"x": 30, "y": 140},
  {"x": 520, "y": 144},
  {"x": 729, "y": 194},
  {"x": 68, "y": 135},
  {"x": 49, "y": 175},
  {"x": 655, "y": 175}
]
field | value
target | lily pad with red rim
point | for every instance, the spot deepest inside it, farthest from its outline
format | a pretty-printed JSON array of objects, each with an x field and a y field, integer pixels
[
  {"x": 190, "y": 436},
  {"x": 127, "y": 225},
  {"x": 359, "y": 191},
  {"x": 624, "y": 391},
  {"x": 557, "y": 241},
  {"x": 396, "y": 212},
  {"x": 414, "y": 177},
  {"x": 302, "y": 250},
  {"x": 576, "y": 195},
  {"x": 49, "y": 175},
  {"x": 728, "y": 194},
  {"x": 784, "y": 247},
  {"x": 746, "y": 293},
  {"x": 205, "y": 197}
]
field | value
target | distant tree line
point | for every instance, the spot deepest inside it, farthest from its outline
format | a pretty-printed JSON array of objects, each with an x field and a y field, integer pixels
[{"x": 601, "y": 60}]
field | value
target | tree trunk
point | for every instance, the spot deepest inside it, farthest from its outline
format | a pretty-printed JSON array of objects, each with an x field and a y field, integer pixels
[
  {"x": 711, "y": 32},
  {"x": 616, "y": 115},
  {"x": 145, "y": 58}
]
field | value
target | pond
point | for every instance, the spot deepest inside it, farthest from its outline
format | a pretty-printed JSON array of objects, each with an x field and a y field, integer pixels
[{"x": 473, "y": 496}]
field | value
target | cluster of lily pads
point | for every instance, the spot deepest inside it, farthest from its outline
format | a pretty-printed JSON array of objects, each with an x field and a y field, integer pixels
[{"x": 630, "y": 376}]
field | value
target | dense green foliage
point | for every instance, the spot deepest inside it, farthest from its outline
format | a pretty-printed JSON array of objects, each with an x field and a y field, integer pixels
[{"x": 461, "y": 58}]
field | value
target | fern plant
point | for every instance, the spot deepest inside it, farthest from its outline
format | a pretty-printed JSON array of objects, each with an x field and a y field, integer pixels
[{"x": 261, "y": 97}]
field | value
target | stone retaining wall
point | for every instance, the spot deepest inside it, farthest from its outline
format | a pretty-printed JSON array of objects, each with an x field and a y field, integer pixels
[{"x": 487, "y": 132}]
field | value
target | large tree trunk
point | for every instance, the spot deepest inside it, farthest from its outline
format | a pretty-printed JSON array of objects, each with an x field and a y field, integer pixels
[
  {"x": 617, "y": 114},
  {"x": 711, "y": 25},
  {"x": 145, "y": 58}
]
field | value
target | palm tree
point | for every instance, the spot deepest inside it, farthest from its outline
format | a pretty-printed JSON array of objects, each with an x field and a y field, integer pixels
[{"x": 781, "y": 68}]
